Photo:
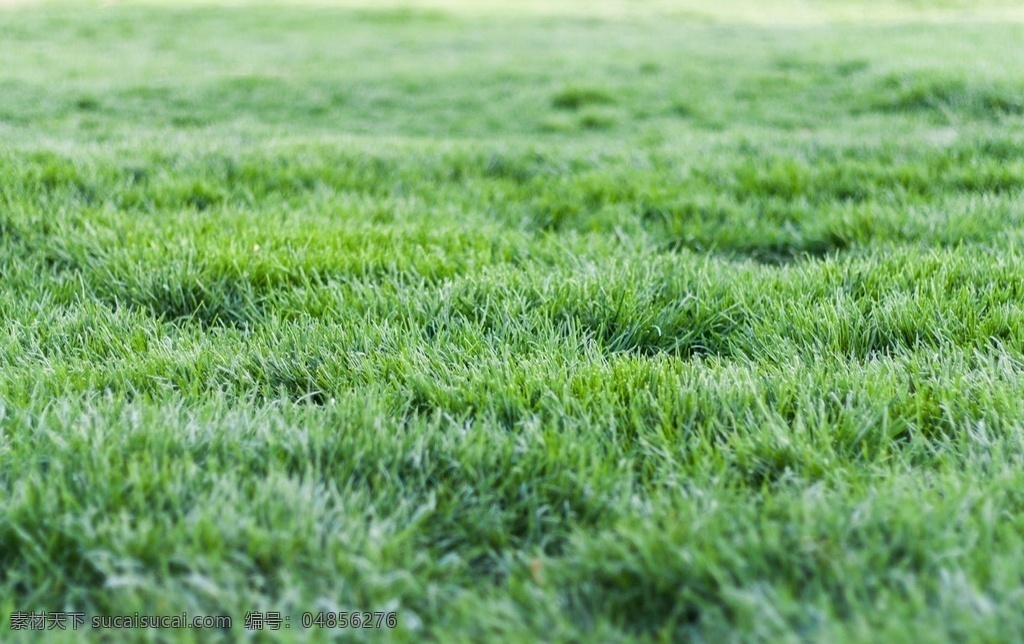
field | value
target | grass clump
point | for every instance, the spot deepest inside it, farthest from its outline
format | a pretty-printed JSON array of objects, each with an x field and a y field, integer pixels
[
  {"x": 947, "y": 97},
  {"x": 576, "y": 97}
]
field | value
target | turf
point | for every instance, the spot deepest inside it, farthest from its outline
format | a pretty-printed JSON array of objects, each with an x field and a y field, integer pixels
[{"x": 565, "y": 321}]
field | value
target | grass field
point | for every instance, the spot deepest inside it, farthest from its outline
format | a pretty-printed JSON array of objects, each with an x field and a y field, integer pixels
[{"x": 546, "y": 320}]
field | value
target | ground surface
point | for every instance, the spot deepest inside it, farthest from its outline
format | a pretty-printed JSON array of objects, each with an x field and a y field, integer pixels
[{"x": 576, "y": 321}]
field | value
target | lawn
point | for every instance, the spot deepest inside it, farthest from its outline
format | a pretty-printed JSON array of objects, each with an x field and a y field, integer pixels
[{"x": 573, "y": 321}]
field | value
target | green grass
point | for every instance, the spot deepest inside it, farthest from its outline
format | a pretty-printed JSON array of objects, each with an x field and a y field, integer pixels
[{"x": 563, "y": 321}]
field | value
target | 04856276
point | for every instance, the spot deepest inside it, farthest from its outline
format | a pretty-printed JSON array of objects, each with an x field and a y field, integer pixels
[{"x": 346, "y": 619}]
